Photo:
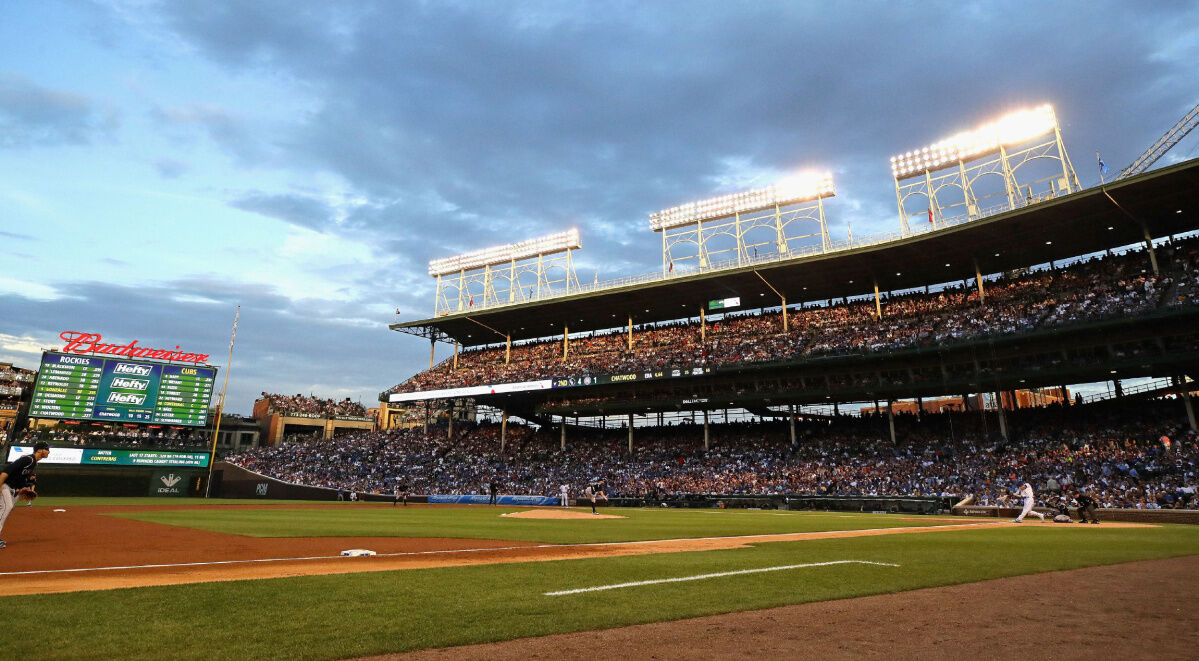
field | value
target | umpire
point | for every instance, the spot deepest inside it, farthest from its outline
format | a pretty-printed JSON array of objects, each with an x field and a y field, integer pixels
[
  {"x": 1086, "y": 506},
  {"x": 16, "y": 476}
]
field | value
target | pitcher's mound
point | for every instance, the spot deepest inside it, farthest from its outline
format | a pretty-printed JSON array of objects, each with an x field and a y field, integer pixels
[{"x": 559, "y": 514}]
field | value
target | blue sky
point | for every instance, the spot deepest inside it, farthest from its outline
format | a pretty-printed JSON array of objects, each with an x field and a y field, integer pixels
[{"x": 163, "y": 162}]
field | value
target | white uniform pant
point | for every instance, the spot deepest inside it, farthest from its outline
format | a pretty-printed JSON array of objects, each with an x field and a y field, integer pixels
[
  {"x": 565, "y": 500},
  {"x": 1028, "y": 503},
  {"x": 7, "y": 501}
]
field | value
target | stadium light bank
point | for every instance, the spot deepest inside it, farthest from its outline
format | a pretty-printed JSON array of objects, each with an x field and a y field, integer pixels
[
  {"x": 917, "y": 186},
  {"x": 525, "y": 270}
]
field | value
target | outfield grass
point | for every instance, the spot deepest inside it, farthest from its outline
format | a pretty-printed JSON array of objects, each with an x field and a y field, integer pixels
[
  {"x": 329, "y": 617},
  {"x": 483, "y": 522}
]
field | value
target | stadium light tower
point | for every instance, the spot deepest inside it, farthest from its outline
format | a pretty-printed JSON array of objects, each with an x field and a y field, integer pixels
[
  {"x": 511, "y": 273},
  {"x": 762, "y": 224},
  {"x": 964, "y": 166}
]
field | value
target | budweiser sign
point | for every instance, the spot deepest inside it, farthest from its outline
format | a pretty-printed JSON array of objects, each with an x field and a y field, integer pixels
[{"x": 77, "y": 342}]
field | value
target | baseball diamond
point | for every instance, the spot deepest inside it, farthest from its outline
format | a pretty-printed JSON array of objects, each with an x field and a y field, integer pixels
[
  {"x": 709, "y": 563},
  {"x": 380, "y": 331}
]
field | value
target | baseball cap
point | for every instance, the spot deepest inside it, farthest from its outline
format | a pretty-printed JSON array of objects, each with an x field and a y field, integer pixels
[{"x": 41, "y": 445}]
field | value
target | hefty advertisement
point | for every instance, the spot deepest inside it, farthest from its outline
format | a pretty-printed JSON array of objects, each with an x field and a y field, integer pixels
[{"x": 128, "y": 391}]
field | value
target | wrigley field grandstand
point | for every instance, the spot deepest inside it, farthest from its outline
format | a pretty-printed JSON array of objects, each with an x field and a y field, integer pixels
[{"x": 767, "y": 358}]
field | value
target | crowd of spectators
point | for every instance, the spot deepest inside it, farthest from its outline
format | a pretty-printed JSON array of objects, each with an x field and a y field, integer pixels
[
  {"x": 1122, "y": 457},
  {"x": 298, "y": 403},
  {"x": 163, "y": 438},
  {"x": 1088, "y": 290},
  {"x": 14, "y": 381}
]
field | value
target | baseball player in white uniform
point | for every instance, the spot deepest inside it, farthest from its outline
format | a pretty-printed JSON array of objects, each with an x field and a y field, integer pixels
[
  {"x": 564, "y": 495},
  {"x": 1029, "y": 497},
  {"x": 593, "y": 492}
]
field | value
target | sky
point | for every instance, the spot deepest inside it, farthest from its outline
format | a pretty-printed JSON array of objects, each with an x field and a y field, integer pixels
[{"x": 162, "y": 163}]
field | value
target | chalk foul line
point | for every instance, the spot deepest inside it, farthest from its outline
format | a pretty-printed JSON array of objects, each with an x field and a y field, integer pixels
[{"x": 701, "y": 577}]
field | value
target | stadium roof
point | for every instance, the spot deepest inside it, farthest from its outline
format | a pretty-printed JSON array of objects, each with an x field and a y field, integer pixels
[{"x": 1090, "y": 221}]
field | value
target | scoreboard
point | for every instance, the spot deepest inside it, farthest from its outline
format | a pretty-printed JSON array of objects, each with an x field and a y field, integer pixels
[{"x": 74, "y": 387}]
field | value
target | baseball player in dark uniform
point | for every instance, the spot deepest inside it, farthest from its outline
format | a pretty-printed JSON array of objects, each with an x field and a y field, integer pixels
[
  {"x": 1086, "y": 506},
  {"x": 18, "y": 475},
  {"x": 401, "y": 494},
  {"x": 492, "y": 488}
]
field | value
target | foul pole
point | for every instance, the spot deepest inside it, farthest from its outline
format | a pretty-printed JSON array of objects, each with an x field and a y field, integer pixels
[{"x": 220, "y": 408}]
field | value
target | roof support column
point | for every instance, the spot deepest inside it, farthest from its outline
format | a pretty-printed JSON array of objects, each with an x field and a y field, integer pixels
[
  {"x": 703, "y": 325},
  {"x": 878, "y": 303},
  {"x": 1186, "y": 401},
  {"x": 1149, "y": 247},
  {"x": 630, "y": 332},
  {"x": 508, "y": 351},
  {"x": 891, "y": 420},
  {"x": 504, "y": 430},
  {"x": 432, "y": 346},
  {"x": 791, "y": 420},
  {"x": 630, "y": 433},
  {"x": 978, "y": 276},
  {"x": 1002, "y": 417},
  {"x": 706, "y": 446},
  {"x": 565, "y": 341},
  {"x": 562, "y": 427},
  {"x": 449, "y": 429},
  {"x": 455, "y": 354}
]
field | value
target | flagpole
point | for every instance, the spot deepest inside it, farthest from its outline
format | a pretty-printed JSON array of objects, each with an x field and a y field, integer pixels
[{"x": 220, "y": 408}]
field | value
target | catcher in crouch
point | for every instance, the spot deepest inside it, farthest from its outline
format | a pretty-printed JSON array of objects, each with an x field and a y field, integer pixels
[{"x": 17, "y": 481}]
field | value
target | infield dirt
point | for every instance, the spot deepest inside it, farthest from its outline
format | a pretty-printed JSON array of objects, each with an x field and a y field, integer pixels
[{"x": 81, "y": 549}]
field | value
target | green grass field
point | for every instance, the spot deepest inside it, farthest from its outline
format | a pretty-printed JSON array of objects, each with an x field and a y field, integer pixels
[
  {"x": 330, "y": 617},
  {"x": 483, "y": 522}
]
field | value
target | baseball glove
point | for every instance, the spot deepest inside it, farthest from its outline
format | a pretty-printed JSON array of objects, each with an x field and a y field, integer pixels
[{"x": 26, "y": 494}]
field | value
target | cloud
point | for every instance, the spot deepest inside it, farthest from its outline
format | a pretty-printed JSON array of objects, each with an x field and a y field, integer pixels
[
  {"x": 170, "y": 168},
  {"x": 285, "y": 344},
  {"x": 32, "y": 115},
  {"x": 541, "y": 115},
  {"x": 232, "y": 132},
  {"x": 295, "y": 209}
]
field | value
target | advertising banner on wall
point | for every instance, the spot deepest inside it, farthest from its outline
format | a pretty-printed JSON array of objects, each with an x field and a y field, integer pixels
[
  {"x": 103, "y": 457},
  {"x": 169, "y": 483}
]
